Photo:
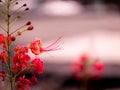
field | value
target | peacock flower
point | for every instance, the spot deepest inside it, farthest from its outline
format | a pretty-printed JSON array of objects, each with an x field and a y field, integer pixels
[
  {"x": 37, "y": 46},
  {"x": 4, "y": 56},
  {"x": 23, "y": 83},
  {"x": 1, "y": 38},
  {"x": 38, "y": 65},
  {"x": 21, "y": 49}
]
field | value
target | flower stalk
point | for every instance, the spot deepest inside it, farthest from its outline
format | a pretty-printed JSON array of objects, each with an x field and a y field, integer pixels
[
  {"x": 14, "y": 62},
  {"x": 8, "y": 46}
]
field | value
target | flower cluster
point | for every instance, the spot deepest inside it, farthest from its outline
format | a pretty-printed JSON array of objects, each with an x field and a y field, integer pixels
[
  {"x": 83, "y": 67},
  {"x": 14, "y": 62}
]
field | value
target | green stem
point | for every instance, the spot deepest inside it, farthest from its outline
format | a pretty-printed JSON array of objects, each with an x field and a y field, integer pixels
[
  {"x": 85, "y": 77},
  {"x": 15, "y": 76},
  {"x": 8, "y": 46}
]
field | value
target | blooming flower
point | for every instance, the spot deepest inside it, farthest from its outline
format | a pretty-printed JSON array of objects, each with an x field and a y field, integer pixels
[
  {"x": 84, "y": 67},
  {"x": 3, "y": 75},
  {"x": 77, "y": 70},
  {"x": 20, "y": 61},
  {"x": 21, "y": 49},
  {"x": 7, "y": 41},
  {"x": 1, "y": 38},
  {"x": 4, "y": 56},
  {"x": 38, "y": 65},
  {"x": 97, "y": 65},
  {"x": 13, "y": 64},
  {"x": 78, "y": 67},
  {"x": 84, "y": 58},
  {"x": 37, "y": 47},
  {"x": 23, "y": 83},
  {"x": 33, "y": 80},
  {"x": 98, "y": 68}
]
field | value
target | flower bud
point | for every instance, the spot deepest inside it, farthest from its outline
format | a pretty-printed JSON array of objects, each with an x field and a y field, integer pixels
[
  {"x": 16, "y": 3},
  {"x": 9, "y": 15},
  {"x": 12, "y": 38},
  {"x": 24, "y": 5},
  {"x": 28, "y": 23},
  {"x": 26, "y": 9},
  {"x": 19, "y": 33},
  {"x": 30, "y": 27}
]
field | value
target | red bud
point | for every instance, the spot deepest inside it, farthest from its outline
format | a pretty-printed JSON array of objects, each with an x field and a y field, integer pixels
[{"x": 30, "y": 27}]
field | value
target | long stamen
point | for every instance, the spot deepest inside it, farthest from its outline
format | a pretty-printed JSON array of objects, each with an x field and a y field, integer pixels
[{"x": 54, "y": 43}]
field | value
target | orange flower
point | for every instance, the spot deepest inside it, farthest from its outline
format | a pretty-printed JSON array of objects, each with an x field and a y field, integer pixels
[{"x": 37, "y": 48}]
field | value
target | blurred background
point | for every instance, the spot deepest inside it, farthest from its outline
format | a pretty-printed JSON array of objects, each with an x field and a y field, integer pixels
[{"x": 90, "y": 27}]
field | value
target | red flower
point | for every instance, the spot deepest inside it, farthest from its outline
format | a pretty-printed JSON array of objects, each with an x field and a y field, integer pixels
[
  {"x": 98, "y": 66},
  {"x": 38, "y": 65},
  {"x": 1, "y": 38},
  {"x": 20, "y": 61},
  {"x": 7, "y": 41},
  {"x": 4, "y": 56},
  {"x": 37, "y": 48},
  {"x": 33, "y": 80},
  {"x": 23, "y": 84},
  {"x": 21, "y": 49},
  {"x": 78, "y": 67},
  {"x": 84, "y": 58},
  {"x": 3, "y": 75}
]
